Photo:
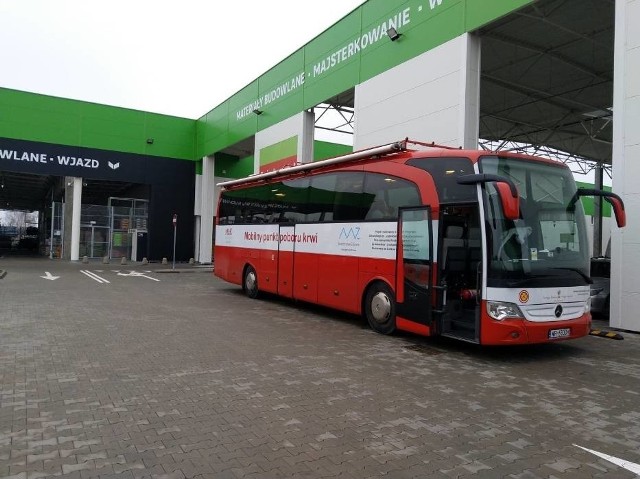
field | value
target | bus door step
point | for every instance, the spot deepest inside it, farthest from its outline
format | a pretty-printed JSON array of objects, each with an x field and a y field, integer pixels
[{"x": 461, "y": 336}]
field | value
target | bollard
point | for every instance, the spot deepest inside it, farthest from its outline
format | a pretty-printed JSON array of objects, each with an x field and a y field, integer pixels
[
  {"x": 123, "y": 260},
  {"x": 145, "y": 261},
  {"x": 105, "y": 260},
  {"x": 85, "y": 259},
  {"x": 164, "y": 261}
]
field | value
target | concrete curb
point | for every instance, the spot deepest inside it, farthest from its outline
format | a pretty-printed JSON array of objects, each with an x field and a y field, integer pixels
[{"x": 185, "y": 270}]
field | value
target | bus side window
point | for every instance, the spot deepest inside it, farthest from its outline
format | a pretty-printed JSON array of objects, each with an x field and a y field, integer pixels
[
  {"x": 384, "y": 194},
  {"x": 321, "y": 197},
  {"x": 348, "y": 199},
  {"x": 295, "y": 196}
]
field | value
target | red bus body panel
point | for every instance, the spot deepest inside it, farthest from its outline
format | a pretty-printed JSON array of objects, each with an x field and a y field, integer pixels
[
  {"x": 305, "y": 274},
  {"x": 340, "y": 282}
]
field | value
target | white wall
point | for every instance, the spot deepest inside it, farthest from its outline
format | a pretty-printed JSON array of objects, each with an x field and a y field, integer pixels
[
  {"x": 625, "y": 243},
  {"x": 433, "y": 97}
]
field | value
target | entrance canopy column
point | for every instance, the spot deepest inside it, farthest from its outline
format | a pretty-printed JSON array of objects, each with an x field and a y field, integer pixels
[
  {"x": 207, "y": 210},
  {"x": 72, "y": 209},
  {"x": 625, "y": 243}
]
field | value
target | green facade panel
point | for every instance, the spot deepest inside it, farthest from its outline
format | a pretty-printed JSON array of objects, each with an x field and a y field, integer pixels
[
  {"x": 324, "y": 149},
  {"x": 281, "y": 91},
  {"x": 278, "y": 151},
  {"x": 353, "y": 50},
  {"x": 242, "y": 122},
  {"x": 228, "y": 166},
  {"x": 328, "y": 69},
  {"x": 34, "y": 117},
  {"x": 213, "y": 131},
  {"x": 588, "y": 203}
]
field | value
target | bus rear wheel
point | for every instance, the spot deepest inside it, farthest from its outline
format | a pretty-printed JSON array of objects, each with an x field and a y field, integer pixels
[
  {"x": 380, "y": 308},
  {"x": 250, "y": 282}
]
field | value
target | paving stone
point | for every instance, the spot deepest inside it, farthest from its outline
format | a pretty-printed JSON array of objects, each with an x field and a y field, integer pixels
[{"x": 188, "y": 378}]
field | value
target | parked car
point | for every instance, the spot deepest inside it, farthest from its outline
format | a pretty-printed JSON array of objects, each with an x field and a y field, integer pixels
[{"x": 600, "y": 275}]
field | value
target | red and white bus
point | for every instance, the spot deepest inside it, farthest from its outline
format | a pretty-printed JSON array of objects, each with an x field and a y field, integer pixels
[{"x": 486, "y": 247}]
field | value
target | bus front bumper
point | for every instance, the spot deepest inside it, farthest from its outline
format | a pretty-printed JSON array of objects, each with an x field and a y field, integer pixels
[{"x": 521, "y": 331}]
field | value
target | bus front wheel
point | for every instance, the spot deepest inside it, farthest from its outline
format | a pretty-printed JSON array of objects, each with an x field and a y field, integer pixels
[
  {"x": 250, "y": 282},
  {"x": 380, "y": 308}
]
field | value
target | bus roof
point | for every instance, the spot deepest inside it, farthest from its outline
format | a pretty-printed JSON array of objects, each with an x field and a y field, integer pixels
[{"x": 378, "y": 152}]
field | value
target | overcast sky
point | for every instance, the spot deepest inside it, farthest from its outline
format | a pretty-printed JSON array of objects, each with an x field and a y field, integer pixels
[{"x": 174, "y": 57}]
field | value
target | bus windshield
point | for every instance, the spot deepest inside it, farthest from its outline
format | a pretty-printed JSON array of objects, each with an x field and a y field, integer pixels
[{"x": 547, "y": 246}]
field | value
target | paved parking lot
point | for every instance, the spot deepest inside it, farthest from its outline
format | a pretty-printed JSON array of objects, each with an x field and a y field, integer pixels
[{"x": 149, "y": 374}]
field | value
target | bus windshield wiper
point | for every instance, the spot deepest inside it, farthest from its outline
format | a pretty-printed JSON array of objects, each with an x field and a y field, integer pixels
[
  {"x": 529, "y": 277},
  {"x": 581, "y": 273}
]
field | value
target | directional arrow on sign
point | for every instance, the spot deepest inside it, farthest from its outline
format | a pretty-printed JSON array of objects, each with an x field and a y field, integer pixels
[{"x": 49, "y": 276}]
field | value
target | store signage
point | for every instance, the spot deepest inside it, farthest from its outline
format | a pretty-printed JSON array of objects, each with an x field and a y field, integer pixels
[
  {"x": 61, "y": 160},
  {"x": 44, "y": 158},
  {"x": 363, "y": 41},
  {"x": 335, "y": 58}
]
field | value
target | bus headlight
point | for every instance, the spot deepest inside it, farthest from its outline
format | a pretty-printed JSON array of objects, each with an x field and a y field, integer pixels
[{"x": 500, "y": 311}]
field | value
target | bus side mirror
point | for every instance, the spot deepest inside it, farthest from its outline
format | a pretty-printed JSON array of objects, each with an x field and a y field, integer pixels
[
  {"x": 618, "y": 210},
  {"x": 507, "y": 191},
  {"x": 616, "y": 203},
  {"x": 510, "y": 203}
]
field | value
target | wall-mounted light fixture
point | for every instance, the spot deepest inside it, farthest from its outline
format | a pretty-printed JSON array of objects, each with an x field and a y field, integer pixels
[
  {"x": 393, "y": 34},
  {"x": 149, "y": 141},
  {"x": 258, "y": 112}
]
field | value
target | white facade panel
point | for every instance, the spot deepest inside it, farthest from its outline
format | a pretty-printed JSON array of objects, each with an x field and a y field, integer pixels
[
  {"x": 207, "y": 210},
  {"x": 625, "y": 250},
  {"x": 197, "y": 204},
  {"x": 369, "y": 117},
  {"x": 629, "y": 302},
  {"x": 630, "y": 182},
  {"x": 633, "y": 33},
  {"x": 631, "y": 233},
  {"x": 470, "y": 91},
  {"x": 433, "y": 97},
  {"x": 632, "y": 88},
  {"x": 412, "y": 74},
  {"x": 632, "y": 117},
  {"x": 630, "y": 265}
]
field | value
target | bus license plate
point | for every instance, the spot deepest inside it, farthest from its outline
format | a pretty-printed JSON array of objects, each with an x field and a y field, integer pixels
[{"x": 559, "y": 333}]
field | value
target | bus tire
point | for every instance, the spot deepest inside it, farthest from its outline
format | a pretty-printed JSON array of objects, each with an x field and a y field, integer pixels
[
  {"x": 380, "y": 308},
  {"x": 250, "y": 282}
]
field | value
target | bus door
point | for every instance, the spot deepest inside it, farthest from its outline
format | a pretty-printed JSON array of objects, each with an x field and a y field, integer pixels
[
  {"x": 286, "y": 249},
  {"x": 416, "y": 262},
  {"x": 460, "y": 272}
]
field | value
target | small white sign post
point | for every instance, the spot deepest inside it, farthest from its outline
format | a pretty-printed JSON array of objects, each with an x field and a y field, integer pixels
[{"x": 175, "y": 227}]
